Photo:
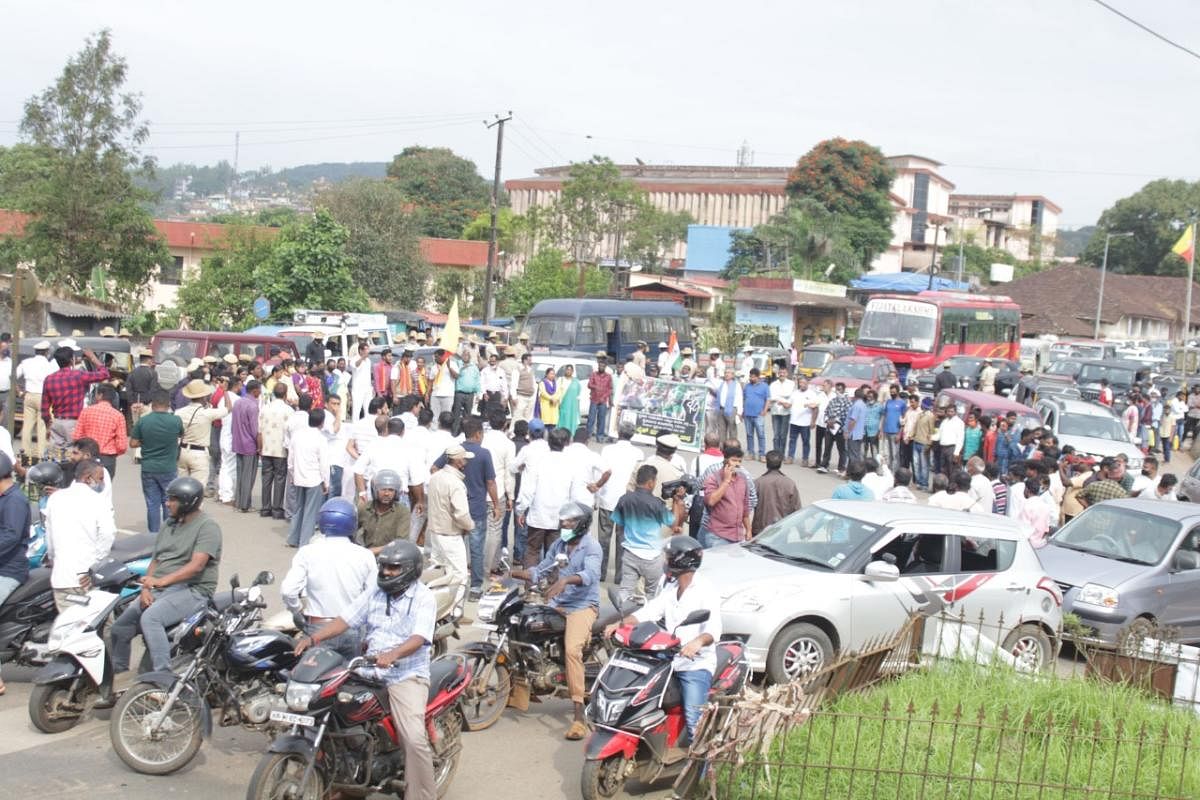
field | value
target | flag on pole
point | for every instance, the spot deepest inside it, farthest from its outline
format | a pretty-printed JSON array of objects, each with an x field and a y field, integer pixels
[
  {"x": 451, "y": 331},
  {"x": 673, "y": 352},
  {"x": 1183, "y": 248}
]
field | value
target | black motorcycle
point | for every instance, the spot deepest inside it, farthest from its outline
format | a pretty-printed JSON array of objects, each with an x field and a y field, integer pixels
[
  {"x": 524, "y": 654},
  {"x": 235, "y": 670}
]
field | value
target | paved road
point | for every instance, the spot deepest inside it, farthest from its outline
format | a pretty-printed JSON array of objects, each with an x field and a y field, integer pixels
[{"x": 81, "y": 762}]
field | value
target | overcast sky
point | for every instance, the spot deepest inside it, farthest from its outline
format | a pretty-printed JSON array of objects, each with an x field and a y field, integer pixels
[{"x": 1052, "y": 97}]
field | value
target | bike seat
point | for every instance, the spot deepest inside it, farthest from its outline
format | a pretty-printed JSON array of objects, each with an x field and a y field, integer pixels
[
  {"x": 222, "y": 600},
  {"x": 37, "y": 583},
  {"x": 604, "y": 621},
  {"x": 443, "y": 672},
  {"x": 130, "y": 548},
  {"x": 727, "y": 653}
]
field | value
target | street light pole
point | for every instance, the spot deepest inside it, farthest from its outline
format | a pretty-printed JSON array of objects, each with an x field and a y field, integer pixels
[
  {"x": 488, "y": 289},
  {"x": 1103, "y": 271}
]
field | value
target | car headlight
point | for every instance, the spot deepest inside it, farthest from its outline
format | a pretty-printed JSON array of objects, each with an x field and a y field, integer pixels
[
  {"x": 299, "y": 695},
  {"x": 748, "y": 600},
  {"x": 1094, "y": 594}
]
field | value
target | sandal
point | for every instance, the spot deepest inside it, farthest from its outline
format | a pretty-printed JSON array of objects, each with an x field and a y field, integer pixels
[
  {"x": 577, "y": 731},
  {"x": 3, "y": 688}
]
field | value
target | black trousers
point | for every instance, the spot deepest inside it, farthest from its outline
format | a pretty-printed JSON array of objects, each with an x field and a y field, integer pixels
[
  {"x": 460, "y": 409},
  {"x": 838, "y": 439},
  {"x": 247, "y": 472},
  {"x": 274, "y": 478}
]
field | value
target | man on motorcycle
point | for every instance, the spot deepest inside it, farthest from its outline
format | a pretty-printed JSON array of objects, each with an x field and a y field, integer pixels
[
  {"x": 399, "y": 614},
  {"x": 382, "y": 519},
  {"x": 331, "y": 573},
  {"x": 15, "y": 518},
  {"x": 681, "y": 592},
  {"x": 575, "y": 594},
  {"x": 180, "y": 579},
  {"x": 79, "y": 531}
]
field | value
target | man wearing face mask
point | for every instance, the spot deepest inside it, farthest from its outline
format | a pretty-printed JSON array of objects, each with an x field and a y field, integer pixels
[
  {"x": 79, "y": 531},
  {"x": 575, "y": 594}
]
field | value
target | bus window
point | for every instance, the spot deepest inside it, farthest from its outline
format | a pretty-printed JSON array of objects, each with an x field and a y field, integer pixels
[
  {"x": 590, "y": 333},
  {"x": 631, "y": 329},
  {"x": 552, "y": 331}
]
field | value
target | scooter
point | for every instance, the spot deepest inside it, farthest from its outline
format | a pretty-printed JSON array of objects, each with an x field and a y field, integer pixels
[{"x": 636, "y": 706}]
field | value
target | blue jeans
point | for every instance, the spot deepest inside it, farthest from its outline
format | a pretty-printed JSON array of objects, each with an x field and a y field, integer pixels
[
  {"x": 1166, "y": 449},
  {"x": 694, "y": 685},
  {"x": 597, "y": 421},
  {"x": 477, "y": 540},
  {"x": 756, "y": 428},
  {"x": 304, "y": 521},
  {"x": 800, "y": 432},
  {"x": 920, "y": 457},
  {"x": 780, "y": 423},
  {"x": 519, "y": 533},
  {"x": 709, "y": 539},
  {"x": 171, "y": 606},
  {"x": 335, "y": 481},
  {"x": 154, "y": 488}
]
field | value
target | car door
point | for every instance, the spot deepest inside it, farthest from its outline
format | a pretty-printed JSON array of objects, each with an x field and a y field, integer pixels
[
  {"x": 990, "y": 593},
  {"x": 1191, "y": 484},
  {"x": 926, "y": 575},
  {"x": 1181, "y": 608}
]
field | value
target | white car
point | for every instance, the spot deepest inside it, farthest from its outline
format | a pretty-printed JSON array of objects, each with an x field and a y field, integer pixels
[
  {"x": 839, "y": 573},
  {"x": 584, "y": 366}
]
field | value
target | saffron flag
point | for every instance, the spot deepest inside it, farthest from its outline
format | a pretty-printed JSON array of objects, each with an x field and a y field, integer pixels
[
  {"x": 676, "y": 360},
  {"x": 451, "y": 331},
  {"x": 1186, "y": 244}
]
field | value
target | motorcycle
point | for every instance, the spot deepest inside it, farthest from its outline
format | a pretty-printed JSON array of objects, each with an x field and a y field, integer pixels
[
  {"x": 523, "y": 655},
  {"x": 236, "y": 670},
  {"x": 636, "y": 707},
  {"x": 342, "y": 738}
]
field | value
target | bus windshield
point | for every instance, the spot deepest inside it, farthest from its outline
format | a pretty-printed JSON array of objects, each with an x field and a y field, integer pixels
[
  {"x": 902, "y": 324},
  {"x": 551, "y": 331}
]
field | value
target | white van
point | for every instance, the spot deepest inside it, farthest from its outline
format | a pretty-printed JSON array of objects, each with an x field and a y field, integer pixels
[{"x": 340, "y": 330}]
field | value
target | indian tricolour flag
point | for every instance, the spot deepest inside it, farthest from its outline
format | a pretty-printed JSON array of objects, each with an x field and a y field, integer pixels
[{"x": 673, "y": 350}]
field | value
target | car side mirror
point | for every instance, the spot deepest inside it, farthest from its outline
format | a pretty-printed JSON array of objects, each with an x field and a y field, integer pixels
[
  {"x": 695, "y": 618},
  {"x": 881, "y": 571},
  {"x": 1185, "y": 560}
]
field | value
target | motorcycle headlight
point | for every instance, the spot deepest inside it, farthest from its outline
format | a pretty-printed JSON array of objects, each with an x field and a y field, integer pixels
[
  {"x": 748, "y": 600},
  {"x": 1093, "y": 594},
  {"x": 299, "y": 695}
]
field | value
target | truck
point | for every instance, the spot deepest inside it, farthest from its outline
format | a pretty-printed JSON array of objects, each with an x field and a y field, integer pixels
[{"x": 340, "y": 330}]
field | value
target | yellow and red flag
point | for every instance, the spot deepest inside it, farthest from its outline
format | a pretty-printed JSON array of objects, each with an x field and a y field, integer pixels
[{"x": 1186, "y": 244}]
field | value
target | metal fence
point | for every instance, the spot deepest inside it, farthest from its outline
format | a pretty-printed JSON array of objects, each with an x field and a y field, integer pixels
[{"x": 820, "y": 736}]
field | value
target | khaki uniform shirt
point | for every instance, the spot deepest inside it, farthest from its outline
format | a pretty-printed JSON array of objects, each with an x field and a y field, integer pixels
[
  {"x": 198, "y": 420},
  {"x": 449, "y": 513}
]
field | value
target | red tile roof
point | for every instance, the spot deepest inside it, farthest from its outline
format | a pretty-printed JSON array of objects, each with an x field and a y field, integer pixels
[
  {"x": 182, "y": 235},
  {"x": 454, "y": 252},
  {"x": 12, "y": 223}
]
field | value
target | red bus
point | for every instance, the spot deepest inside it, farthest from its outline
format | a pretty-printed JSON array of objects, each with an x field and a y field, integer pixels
[{"x": 922, "y": 331}]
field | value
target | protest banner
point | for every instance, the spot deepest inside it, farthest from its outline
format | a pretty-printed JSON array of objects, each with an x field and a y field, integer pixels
[{"x": 656, "y": 406}]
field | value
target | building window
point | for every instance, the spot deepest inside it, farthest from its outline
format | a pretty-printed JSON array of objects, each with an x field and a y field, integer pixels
[{"x": 171, "y": 274}]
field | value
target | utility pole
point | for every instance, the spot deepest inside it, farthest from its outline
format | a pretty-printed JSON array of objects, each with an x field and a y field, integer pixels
[
  {"x": 488, "y": 289},
  {"x": 1103, "y": 271},
  {"x": 1187, "y": 302}
]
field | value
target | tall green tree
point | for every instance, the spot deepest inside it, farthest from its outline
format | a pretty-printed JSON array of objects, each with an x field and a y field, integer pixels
[
  {"x": 507, "y": 224},
  {"x": 652, "y": 235},
  {"x": 221, "y": 296},
  {"x": 547, "y": 276},
  {"x": 310, "y": 268},
  {"x": 384, "y": 240},
  {"x": 804, "y": 240},
  {"x": 89, "y": 229},
  {"x": 467, "y": 286},
  {"x": 1156, "y": 215},
  {"x": 446, "y": 189}
]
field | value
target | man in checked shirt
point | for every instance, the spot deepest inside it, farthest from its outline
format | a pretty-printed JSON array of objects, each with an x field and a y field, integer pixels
[{"x": 63, "y": 393}]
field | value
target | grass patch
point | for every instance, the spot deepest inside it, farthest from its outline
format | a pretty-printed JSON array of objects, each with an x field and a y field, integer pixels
[{"x": 958, "y": 732}]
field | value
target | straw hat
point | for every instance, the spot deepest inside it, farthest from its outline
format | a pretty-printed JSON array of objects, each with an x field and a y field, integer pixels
[
  {"x": 107, "y": 331},
  {"x": 194, "y": 364},
  {"x": 42, "y": 345},
  {"x": 124, "y": 332},
  {"x": 77, "y": 333},
  {"x": 51, "y": 333},
  {"x": 210, "y": 359},
  {"x": 229, "y": 358},
  {"x": 196, "y": 389}
]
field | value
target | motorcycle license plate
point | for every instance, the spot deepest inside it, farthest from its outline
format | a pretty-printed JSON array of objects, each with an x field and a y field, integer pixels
[
  {"x": 632, "y": 666},
  {"x": 292, "y": 719},
  {"x": 484, "y": 626}
]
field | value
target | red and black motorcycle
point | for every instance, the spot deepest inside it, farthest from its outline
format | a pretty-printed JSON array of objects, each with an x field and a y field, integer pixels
[
  {"x": 636, "y": 707},
  {"x": 342, "y": 737}
]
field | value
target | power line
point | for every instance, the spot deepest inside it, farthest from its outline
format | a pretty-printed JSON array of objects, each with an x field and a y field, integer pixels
[
  {"x": 1147, "y": 29},
  {"x": 261, "y": 142}
]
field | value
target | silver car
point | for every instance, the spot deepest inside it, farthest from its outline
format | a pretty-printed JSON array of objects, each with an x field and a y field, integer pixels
[
  {"x": 1092, "y": 429},
  {"x": 839, "y": 573},
  {"x": 1130, "y": 563}
]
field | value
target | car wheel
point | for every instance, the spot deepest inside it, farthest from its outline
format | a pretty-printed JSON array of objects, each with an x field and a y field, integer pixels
[
  {"x": 1030, "y": 646},
  {"x": 800, "y": 649}
]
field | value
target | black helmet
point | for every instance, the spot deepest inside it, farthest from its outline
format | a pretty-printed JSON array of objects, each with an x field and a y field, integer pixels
[
  {"x": 575, "y": 515},
  {"x": 404, "y": 554},
  {"x": 682, "y": 554},
  {"x": 188, "y": 491},
  {"x": 6, "y": 465},
  {"x": 386, "y": 479},
  {"x": 46, "y": 473}
]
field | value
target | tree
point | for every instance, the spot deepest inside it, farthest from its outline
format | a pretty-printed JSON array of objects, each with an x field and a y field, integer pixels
[
  {"x": 803, "y": 240},
  {"x": 653, "y": 234},
  {"x": 384, "y": 240},
  {"x": 480, "y": 229},
  {"x": 445, "y": 188},
  {"x": 221, "y": 296},
  {"x": 850, "y": 179},
  {"x": 466, "y": 285},
  {"x": 309, "y": 268},
  {"x": 546, "y": 276},
  {"x": 1156, "y": 215},
  {"x": 89, "y": 228},
  {"x": 278, "y": 217}
]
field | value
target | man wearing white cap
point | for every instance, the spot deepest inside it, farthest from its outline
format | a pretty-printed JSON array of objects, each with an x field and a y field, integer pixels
[
  {"x": 33, "y": 371},
  {"x": 716, "y": 365},
  {"x": 665, "y": 362},
  {"x": 450, "y": 519},
  {"x": 987, "y": 377}
]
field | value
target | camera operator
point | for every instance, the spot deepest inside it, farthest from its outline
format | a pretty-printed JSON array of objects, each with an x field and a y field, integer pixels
[{"x": 638, "y": 519}]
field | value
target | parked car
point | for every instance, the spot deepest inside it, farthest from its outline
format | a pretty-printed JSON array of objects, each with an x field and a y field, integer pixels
[
  {"x": 815, "y": 357},
  {"x": 855, "y": 371},
  {"x": 1092, "y": 429},
  {"x": 1130, "y": 564},
  {"x": 182, "y": 346},
  {"x": 837, "y": 574},
  {"x": 991, "y": 405},
  {"x": 966, "y": 370},
  {"x": 1035, "y": 353},
  {"x": 1121, "y": 375},
  {"x": 1083, "y": 349}
]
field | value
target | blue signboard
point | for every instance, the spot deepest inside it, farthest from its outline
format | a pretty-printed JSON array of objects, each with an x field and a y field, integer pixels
[{"x": 262, "y": 308}]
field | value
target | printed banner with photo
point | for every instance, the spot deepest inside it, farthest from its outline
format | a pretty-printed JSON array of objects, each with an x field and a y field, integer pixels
[{"x": 657, "y": 406}]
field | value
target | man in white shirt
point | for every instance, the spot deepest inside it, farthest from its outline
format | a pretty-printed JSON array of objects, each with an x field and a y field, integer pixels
[
  {"x": 493, "y": 384},
  {"x": 620, "y": 458},
  {"x": 337, "y": 435},
  {"x": 361, "y": 389},
  {"x": 801, "y": 406},
  {"x": 392, "y": 451},
  {"x": 532, "y": 452},
  {"x": 441, "y": 439},
  {"x": 727, "y": 406},
  {"x": 716, "y": 366},
  {"x": 665, "y": 361},
  {"x": 308, "y": 468},
  {"x": 79, "y": 530},
  {"x": 329, "y": 573},
  {"x": 983, "y": 496},
  {"x": 951, "y": 434},
  {"x": 33, "y": 372},
  {"x": 780, "y": 400},
  {"x": 547, "y": 484},
  {"x": 444, "y": 372},
  {"x": 878, "y": 478},
  {"x": 587, "y": 463}
]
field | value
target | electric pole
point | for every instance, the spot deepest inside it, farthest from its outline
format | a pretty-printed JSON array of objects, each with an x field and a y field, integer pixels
[{"x": 488, "y": 289}]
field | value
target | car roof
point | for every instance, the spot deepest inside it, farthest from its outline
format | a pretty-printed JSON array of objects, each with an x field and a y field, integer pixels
[
  {"x": 1173, "y": 511},
  {"x": 1080, "y": 407},
  {"x": 986, "y": 400},
  {"x": 890, "y": 514},
  {"x": 859, "y": 359}
]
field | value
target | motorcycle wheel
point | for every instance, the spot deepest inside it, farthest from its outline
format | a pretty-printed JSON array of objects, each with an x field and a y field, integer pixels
[
  {"x": 45, "y": 708},
  {"x": 449, "y": 729},
  {"x": 481, "y": 709},
  {"x": 178, "y": 737},
  {"x": 278, "y": 775},
  {"x": 602, "y": 778}
]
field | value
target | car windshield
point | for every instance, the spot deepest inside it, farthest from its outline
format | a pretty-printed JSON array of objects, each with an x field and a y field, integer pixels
[
  {"x": 1121, "y": 534},
  {"x": 815, "y": 536},
  {"x": 1092, "y": 373},
  {"x": 1094, "y": 426},
  {"x": 814, "y": 359},
  {"x": 899, "y": 323},
  {"x": 1070, "y": 368},
  {"x": 862, "y": 370},
  {"x": 964, "y": 367}
]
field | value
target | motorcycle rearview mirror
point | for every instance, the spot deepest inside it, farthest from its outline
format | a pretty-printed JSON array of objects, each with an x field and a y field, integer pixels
[
  {"x": 264, "y": 578},
  {"x": 695, "y": 618},
  {"x": 234, "y": 583}
]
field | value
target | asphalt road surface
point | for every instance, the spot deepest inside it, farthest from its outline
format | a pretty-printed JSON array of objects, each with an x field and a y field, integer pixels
[{"x": 524, "y": 754}]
